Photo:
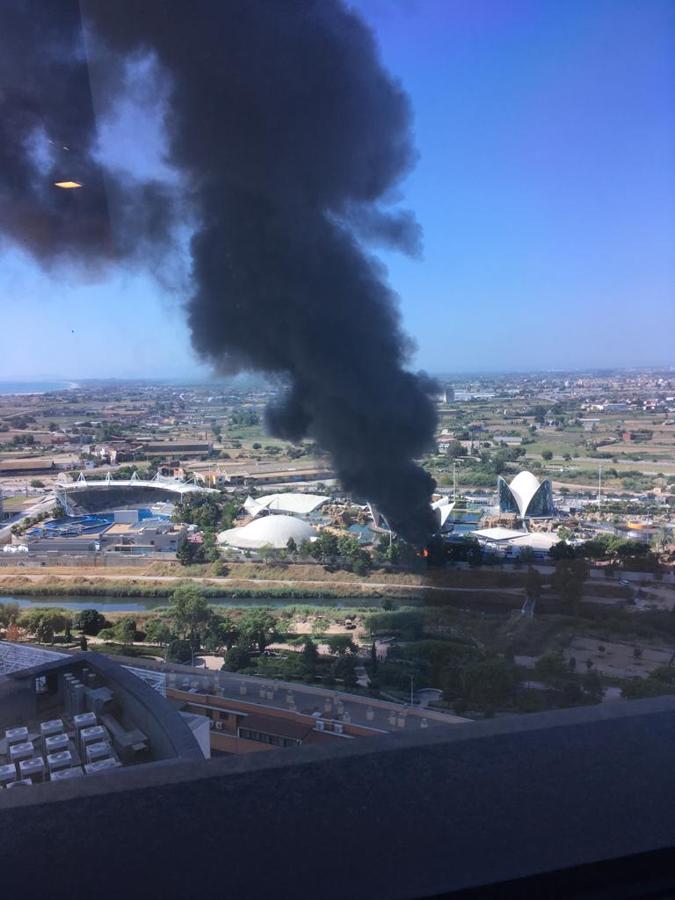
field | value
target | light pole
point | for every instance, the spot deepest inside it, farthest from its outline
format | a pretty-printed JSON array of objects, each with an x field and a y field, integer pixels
[{"x": 412, "y": 681}]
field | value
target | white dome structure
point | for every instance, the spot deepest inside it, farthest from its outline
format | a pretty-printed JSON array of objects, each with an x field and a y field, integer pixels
[
  {"x": 526, "y": 496},
  {"x": 268, "y": 531}
]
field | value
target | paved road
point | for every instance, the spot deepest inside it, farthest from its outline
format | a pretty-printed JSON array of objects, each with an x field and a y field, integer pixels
[{"x": 43, "y": 505}]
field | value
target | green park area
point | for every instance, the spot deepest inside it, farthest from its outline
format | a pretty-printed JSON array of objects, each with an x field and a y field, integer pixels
[{"x": 483, "y": 663}]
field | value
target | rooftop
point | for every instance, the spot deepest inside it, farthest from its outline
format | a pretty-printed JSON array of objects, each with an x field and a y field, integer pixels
[
  {"x": 274, "y": 531},
  {"x": 68, "y": 717}
]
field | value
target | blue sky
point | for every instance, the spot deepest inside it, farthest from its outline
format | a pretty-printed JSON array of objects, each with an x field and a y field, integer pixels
[{"x": 545, "y": 187}]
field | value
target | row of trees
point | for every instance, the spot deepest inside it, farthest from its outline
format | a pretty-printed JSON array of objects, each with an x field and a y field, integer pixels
[
  {"x": 636, "y": 555},
  {"x": 331, "y": 550}
]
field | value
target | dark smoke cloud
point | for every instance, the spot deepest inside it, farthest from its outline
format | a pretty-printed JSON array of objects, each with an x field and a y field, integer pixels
[{"x": 289, "y": 136}]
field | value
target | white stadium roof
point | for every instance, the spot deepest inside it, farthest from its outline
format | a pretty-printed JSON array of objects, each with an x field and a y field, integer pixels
[
  {"x": 295, "y": 504},
  {"x": 269, "y": 531}
]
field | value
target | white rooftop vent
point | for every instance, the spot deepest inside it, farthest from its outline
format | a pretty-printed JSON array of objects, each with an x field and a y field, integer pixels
[
  {"x": 56, "y": 742},
  {"x": 16, "y": 735},
  {"x": 100, "y": 750},
  {"x": 101, "y": 765},
  {"x": 84, "y": 720},
  {"x": 63, "y": 774},
  {"x": 54, "y": 726},
  {"x": 61, "y": 760}
]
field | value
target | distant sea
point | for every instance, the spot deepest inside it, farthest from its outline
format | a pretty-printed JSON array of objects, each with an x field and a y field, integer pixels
[{"x": 34, "y": 387}]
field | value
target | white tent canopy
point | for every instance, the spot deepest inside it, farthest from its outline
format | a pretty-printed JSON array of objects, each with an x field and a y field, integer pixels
[
  {"x": 292, "y": 503},
  {"x": 269, "y": 531}
]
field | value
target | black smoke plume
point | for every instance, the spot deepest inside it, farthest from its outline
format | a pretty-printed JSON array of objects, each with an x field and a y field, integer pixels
[{"x": 288, "y": 136}]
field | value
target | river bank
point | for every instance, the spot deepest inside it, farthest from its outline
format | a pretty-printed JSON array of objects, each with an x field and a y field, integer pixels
[{"x": 108, "y": 604}]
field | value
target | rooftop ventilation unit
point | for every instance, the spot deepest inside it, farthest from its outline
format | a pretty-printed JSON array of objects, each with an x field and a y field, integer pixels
[
  {"x": 61, "y": 760},
  {"x": 18, "y": 752},
  {"x": 53, "y": 726},
  {"x": 64, "y": 774},
  {"x": 16, "y": 735},
  {"x": 23, "y": 782},
  {"x": 56, "y": 742},
  {"x": 101, "y": 765},
  {"x": 7, "y": 773},
  {"x": 32, "y": 768},
  {"x": 99, "y": 750}
]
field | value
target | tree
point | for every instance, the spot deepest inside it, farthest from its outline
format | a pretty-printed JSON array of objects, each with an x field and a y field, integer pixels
[
  {"x": 179, "y": 651},
  {"x": 90, "y": 621},
  {"x": 489, "y": 683},
  {"x": 552, "y": 669},
  {"x": 592, "y": 684},
  {"x": 341, "y": 644},
  {"x": 291, "y": 547},
  {"x": 568, "y": 581},
  {"x": 44, "y": 631},
  {"x": 9, "y": 614},
  {"x": 310, "y": 656},
  {"x": 125, "y": 630},
  {"x": 547, "y": 455},
  {"x": 236, "y": 658},
  {"x": 45, "y": 623},
  {"x": 36, "y": 483},
  {"x": 561, "y": 550},
  {"x": 190, "y": 612},
  {"x": 157, "y": 631},
  {"x": 344, "y": 668},
  {"x": 84, "y": 646},
  {"x": 190, "y": 552},
  {"x": 221, "y": 631},
  {"x": 325, "y": 547},
  {"x": 210, "y": 552},
  {"x": 259, "y": 627},
  {"x": 474, "y": 554},
  {"x": 305, "y": 548}
]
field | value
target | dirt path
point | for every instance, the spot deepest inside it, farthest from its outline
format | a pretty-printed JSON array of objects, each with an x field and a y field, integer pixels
[{"x": 233, "y": 583}]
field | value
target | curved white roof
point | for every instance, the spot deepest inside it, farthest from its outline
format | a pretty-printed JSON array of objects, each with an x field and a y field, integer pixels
[
  {"x": 269, "y": 531},
  {"x": 443, "y": 508},
  {"x": 523, "y": 487},
  {"x": 298, "y": 504}
]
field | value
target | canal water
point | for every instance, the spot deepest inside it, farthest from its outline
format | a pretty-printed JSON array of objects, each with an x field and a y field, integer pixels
[{"x": 147, "y": 604}]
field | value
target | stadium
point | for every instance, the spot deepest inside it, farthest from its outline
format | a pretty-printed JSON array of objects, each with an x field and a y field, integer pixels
[{"x": 84, "y": 497}]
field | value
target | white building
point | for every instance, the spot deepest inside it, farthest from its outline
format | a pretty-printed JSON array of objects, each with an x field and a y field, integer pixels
[
  {"x": 267, "y": 531},
  {"x": 294, "y": 504}
]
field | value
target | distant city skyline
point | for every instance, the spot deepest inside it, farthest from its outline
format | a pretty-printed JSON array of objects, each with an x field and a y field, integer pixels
[{"x": 545, "y": 188}]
